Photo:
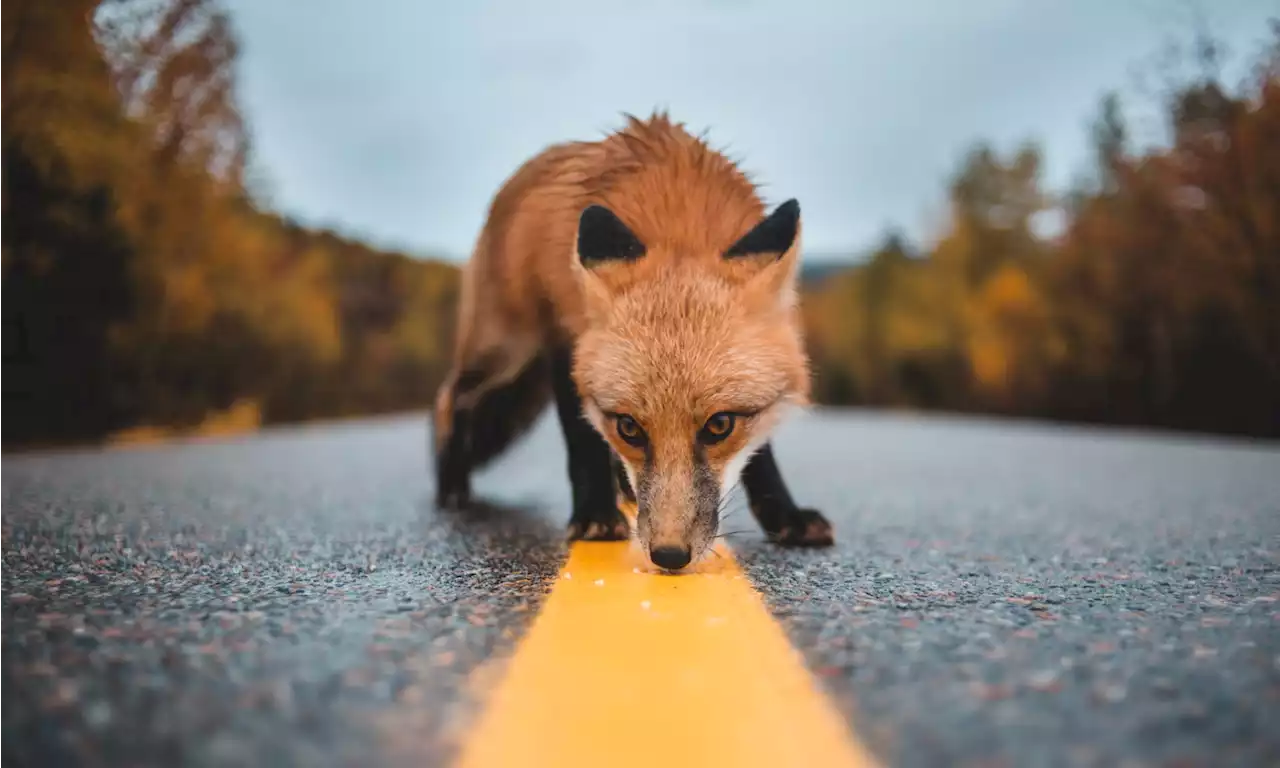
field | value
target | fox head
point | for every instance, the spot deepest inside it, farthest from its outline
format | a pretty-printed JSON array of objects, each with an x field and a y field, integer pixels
[{"x": 687, "y": 362}]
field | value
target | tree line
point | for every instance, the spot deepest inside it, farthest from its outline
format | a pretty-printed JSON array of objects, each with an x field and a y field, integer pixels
[
  {"x": 1157, "y": 303},
  {"x": 145, "y": 285},
  {"x": 142, "y": 284}
]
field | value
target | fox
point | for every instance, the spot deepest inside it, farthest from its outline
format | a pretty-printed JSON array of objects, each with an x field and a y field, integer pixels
[{"x": 639, "y": 283}]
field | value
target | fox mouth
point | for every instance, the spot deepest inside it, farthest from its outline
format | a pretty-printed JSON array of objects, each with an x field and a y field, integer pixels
[
  {"x": 677, "y": 552},
  {"x": 674, "y": 555},
  {"x": 671, "y": 559},
  {"x": 697, "y": 559}
]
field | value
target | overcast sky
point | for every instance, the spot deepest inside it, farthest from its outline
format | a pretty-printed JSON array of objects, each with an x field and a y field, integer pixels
[{"x": 396, "y": 120}]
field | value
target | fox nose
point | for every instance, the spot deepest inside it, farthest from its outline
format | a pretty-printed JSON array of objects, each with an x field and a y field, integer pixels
[{"x": 671, "y": 558}]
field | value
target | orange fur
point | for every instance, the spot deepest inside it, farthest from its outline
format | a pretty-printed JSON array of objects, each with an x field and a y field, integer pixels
[{"x": 669, "y": 339}]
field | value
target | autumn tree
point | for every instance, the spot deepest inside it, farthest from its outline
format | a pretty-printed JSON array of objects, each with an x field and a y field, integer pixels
[
  {"x": 1157, "y": 304},
  {"x": 142, "y": 283}
]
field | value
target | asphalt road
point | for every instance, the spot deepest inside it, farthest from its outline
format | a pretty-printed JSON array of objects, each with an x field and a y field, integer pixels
[{"x": 999, "y": 594}]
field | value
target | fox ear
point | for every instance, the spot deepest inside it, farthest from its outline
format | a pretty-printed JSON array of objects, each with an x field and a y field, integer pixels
[
  {"x": 772, "y": 247},
  {"x": 603, "y": 238},
  {"x": 773, "y": 236}
]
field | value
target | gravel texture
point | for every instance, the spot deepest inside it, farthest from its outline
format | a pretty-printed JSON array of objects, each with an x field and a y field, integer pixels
[
  {"x": 1006, "y": 595},
  {"x": 999, "y": 594},
  {"x": 287, "y": 600}
]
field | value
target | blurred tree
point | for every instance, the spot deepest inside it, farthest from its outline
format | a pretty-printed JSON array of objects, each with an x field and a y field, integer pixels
[
  {"x": 877, "y": 296},
  {"x": 1110, "y": 143},
  {"x": 65, "y": 146},
  {"x": 1158, "y": 304},
  {"x": 142, "y": 285}
]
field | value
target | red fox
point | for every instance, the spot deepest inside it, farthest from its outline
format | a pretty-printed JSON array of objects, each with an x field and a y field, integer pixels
[{"x": 637, "y": 282}]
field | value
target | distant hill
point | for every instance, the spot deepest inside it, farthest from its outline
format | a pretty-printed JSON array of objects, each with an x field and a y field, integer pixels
[
  {"x": 814, "y": 267},
  {"x": 813, "y": 273}
]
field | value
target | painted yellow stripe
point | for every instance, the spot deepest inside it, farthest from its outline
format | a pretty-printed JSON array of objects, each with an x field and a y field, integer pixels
[{"x": 628, "y": 668}]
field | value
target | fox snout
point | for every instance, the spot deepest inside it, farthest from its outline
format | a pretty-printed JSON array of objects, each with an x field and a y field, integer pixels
[
  {"x": 679, "y": 504},
  {"x": 672, "y": 558}
]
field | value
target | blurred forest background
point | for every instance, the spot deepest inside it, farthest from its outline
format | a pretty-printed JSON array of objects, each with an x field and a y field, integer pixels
[{"x": 147, "y": 291}]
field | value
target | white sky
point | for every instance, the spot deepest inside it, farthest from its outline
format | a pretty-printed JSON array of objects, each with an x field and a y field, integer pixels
[{"x": 396, "y": 120}]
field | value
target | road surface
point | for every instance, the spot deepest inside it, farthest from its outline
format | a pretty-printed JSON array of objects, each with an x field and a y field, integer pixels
[{"x": 1000, "y": 594}]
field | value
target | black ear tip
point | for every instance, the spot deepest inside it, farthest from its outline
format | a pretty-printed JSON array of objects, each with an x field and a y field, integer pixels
[
  {"x": 603, "y": 237},
  {"x": 596, "y": 218},
  {"x": 773, "y": 235},
  {"x": 789, "y": 213},
  {"x": 595, "y": 212}
]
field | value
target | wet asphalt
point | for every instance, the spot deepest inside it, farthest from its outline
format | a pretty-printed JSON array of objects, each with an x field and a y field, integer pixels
[{"x": 1000, "y": 594}]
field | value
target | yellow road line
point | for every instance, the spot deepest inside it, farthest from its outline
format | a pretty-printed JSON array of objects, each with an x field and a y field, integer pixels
[{"x": 630, "y": 668}]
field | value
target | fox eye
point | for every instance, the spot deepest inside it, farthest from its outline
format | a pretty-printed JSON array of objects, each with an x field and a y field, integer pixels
[
  {"x": 630, "y": 431},
  {"x": 717, "y": 428}
]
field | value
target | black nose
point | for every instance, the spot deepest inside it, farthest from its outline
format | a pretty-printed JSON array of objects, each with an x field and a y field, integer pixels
[{"x": 670, "y": 558}]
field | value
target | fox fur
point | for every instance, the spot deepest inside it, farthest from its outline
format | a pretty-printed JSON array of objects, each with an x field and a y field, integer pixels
[{"x": 636, "y": 281}]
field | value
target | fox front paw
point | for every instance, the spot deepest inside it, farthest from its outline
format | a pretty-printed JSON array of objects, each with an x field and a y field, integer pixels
[
  {"x": 453, "y": 499},
  {"x": 804, "y": 528},
  {"x": 610, "y": 525}
]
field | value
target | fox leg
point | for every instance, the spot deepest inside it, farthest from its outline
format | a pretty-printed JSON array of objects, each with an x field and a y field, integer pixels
[
  {"x": 450, "y": 429},
  {"x": 775, "y": 510},
  {"x": 591, "y": 469},
  {"x": 481, "y": 410}
]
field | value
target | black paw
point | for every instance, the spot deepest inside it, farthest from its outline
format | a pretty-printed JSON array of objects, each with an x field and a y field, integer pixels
[
  {"x": 610, "y": 525},
  {"x": 453, "y": 499},
  {"x": 453, "y": 488},
  {"x": 453, "y": 482},
  {"x": 803, "y": 527}
]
